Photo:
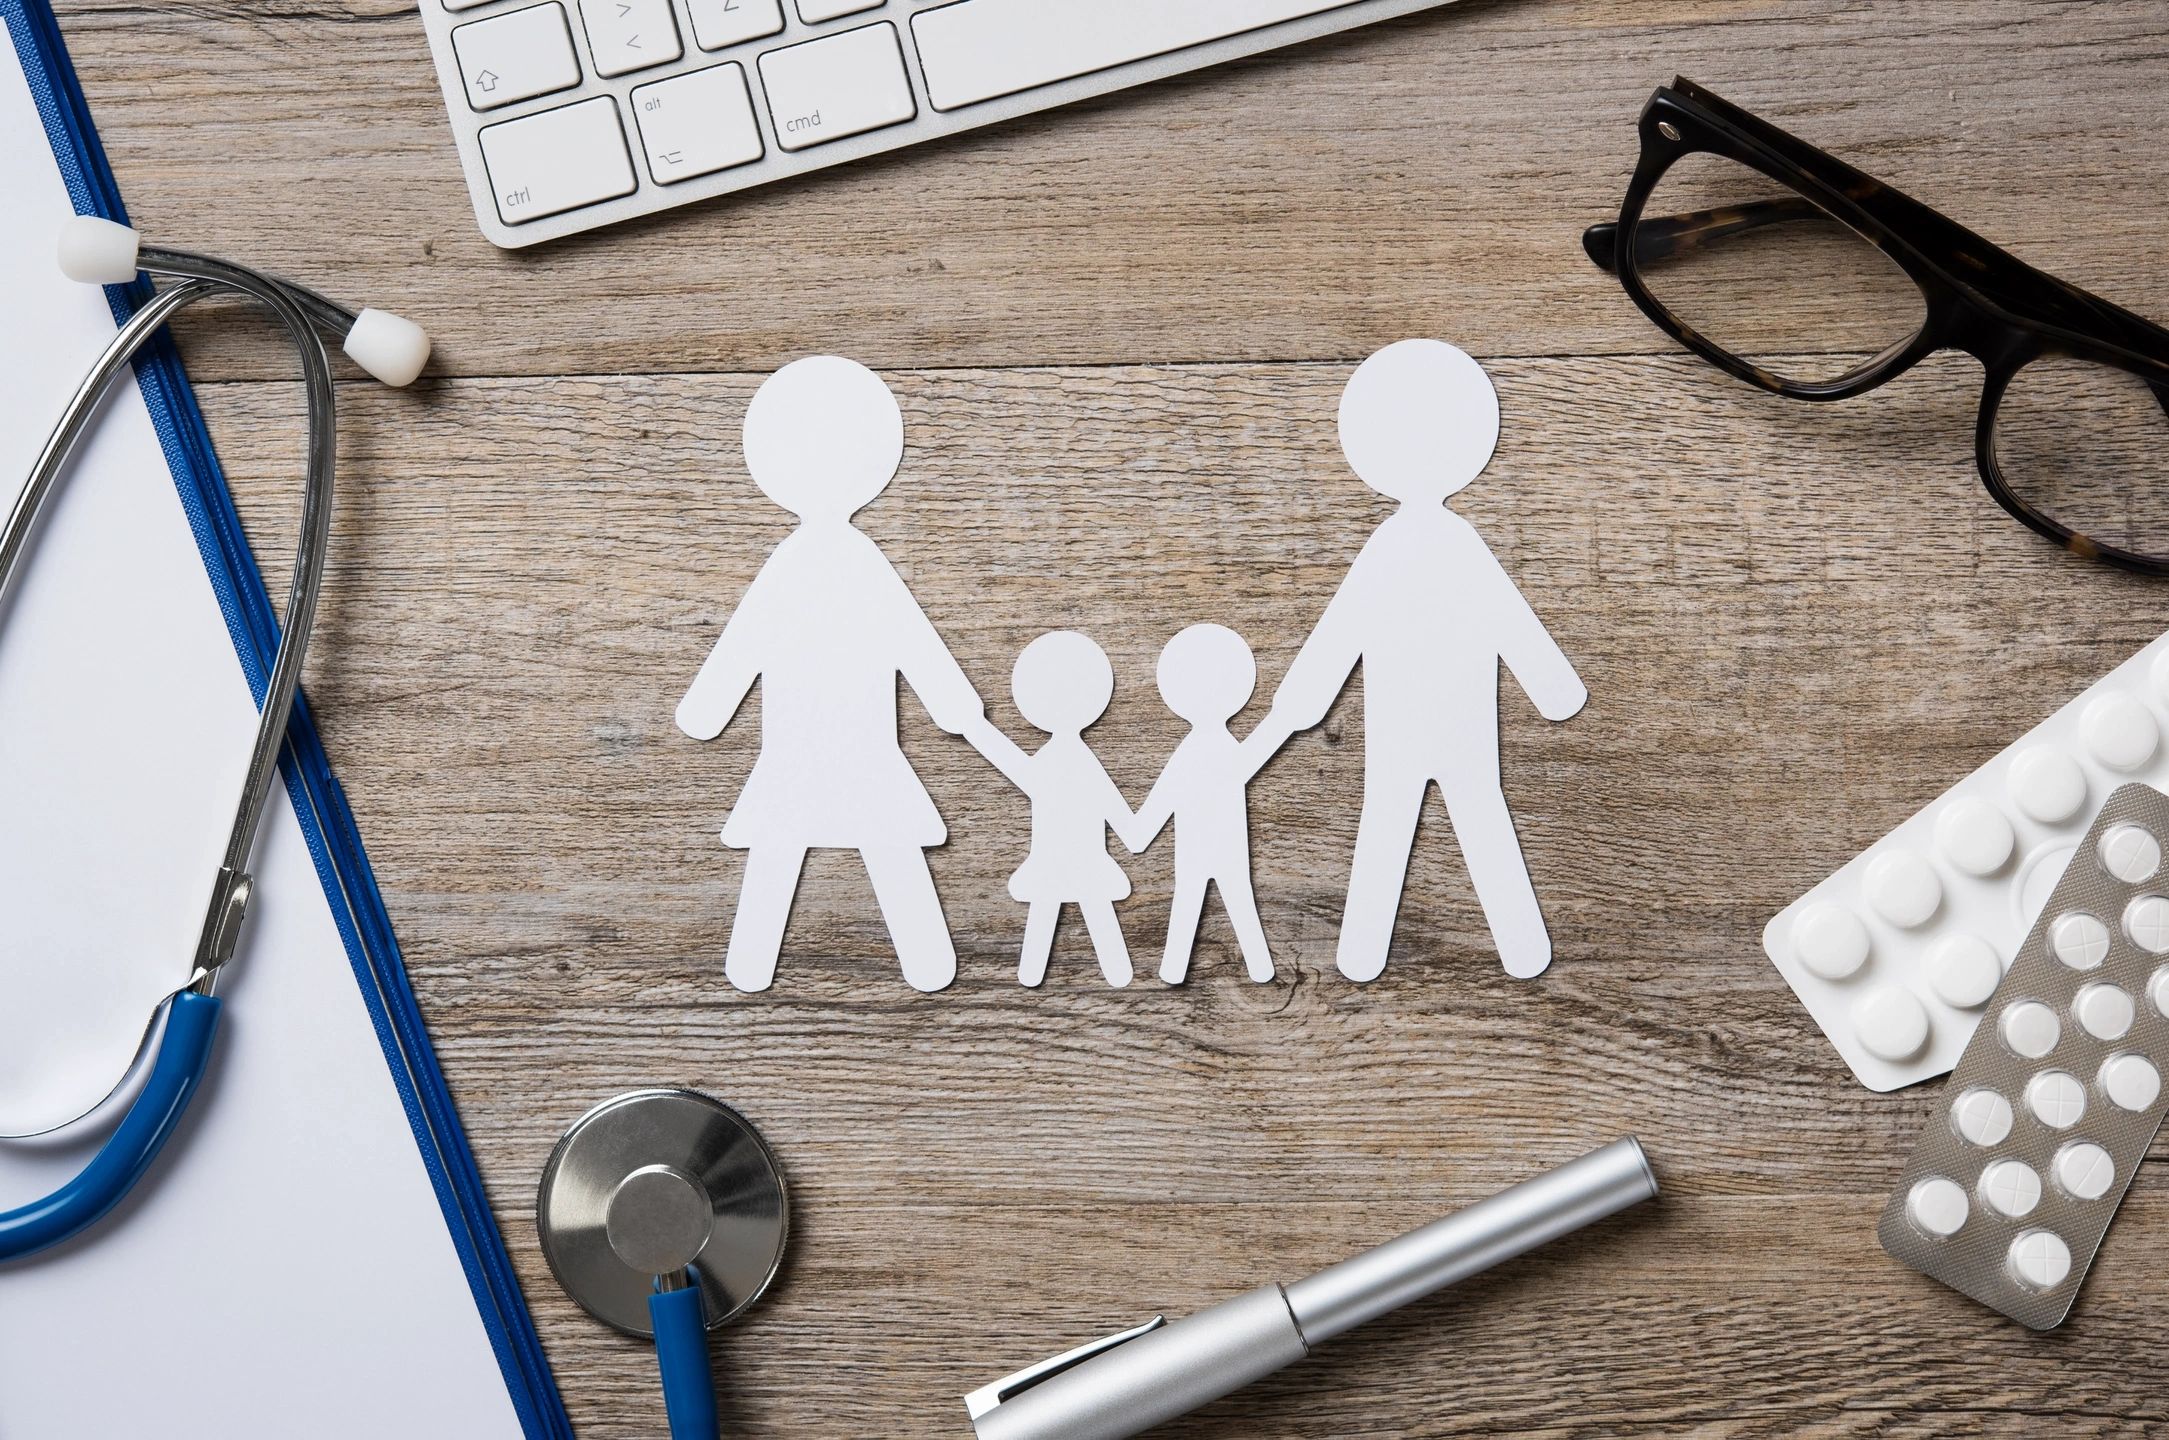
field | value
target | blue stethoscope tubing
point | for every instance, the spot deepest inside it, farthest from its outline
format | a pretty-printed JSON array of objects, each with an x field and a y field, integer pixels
[
  {"x": 681, "y": 1353},
  {"x": 191, "y": 1014}
]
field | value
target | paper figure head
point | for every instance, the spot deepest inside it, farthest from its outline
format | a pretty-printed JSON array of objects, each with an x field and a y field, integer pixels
[
  {"x": 823, "y": 436},
  {"x": 1062, "y": 682},
  {"x": 1419, "y": 420},
  {"x": 1207, "y": 673}
]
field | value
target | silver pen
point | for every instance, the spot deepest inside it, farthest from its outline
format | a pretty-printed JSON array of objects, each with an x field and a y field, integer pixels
[{"x": 1132, "y": 1381}]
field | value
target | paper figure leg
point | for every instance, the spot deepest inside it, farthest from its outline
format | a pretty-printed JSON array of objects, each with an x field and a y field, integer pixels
[
  {"x": 1038, "y": 941},
  {"x": 904, "y": 888},
  {"x": 1242, "y": 907},
  {"x": 1107, "y": 941},
  {"x": 1493, "y": 854},
  {"x": 1182, "y": 929},
  {"x": 764, "y": 908},
  {"x": 1384, "y": 836}
]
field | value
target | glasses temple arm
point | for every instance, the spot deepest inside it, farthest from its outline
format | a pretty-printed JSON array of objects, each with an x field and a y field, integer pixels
[{"x": 1661, "y": 237}]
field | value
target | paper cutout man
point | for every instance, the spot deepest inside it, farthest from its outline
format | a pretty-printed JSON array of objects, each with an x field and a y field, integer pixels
[
  {"x": 1062, "y": 684},
  {"x": 1206, "y": 676},
  {"x": 826, "y": 627},
  {"x": 1430, "y": 614}
]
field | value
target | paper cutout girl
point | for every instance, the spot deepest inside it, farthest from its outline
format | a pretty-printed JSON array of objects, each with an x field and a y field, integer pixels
[
  {"x": 1206, "y": 675},
  {"x": 1062, "y": 683},
  {"x": 1429, "y": 612},
  {"x": 826, "y": 627}
]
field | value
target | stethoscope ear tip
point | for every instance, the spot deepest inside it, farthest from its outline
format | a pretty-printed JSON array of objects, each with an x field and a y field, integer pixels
[
  {"x": 98, "y": 252},
  {"x": 388, "y": 346}
]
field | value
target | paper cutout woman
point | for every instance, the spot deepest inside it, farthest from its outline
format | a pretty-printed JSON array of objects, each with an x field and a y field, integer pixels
[
  {"x": 1430, "y": 613},
  {"x": 1206, "y": 675},
  {"x": 1062, "y": 683},
  {"x": 826, "y": 627}
]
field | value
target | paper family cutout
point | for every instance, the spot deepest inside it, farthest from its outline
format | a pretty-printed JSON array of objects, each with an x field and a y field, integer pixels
[{"x": 827, "y": 625}]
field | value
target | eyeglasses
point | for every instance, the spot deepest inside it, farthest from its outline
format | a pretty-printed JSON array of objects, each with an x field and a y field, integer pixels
[{"x": 1784, "y": 266}]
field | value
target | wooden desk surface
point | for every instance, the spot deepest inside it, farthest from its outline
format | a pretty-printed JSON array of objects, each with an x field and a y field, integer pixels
[{"x": 1118, "y": 333}]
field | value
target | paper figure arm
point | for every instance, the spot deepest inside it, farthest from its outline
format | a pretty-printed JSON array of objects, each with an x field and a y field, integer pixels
[
  {"x": 1539, "y": 665},
  {"x": 1120, "y": 818},
  {"x": 1153, "y": 815},
  {"x": 1003, "y": 753},
  {"x": 727, "y": 675},
  {"x": 929, "y": 668},
  {"x": 1321, "y": 668}
]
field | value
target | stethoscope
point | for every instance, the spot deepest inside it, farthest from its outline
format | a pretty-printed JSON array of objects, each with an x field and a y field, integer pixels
[{"x": 100, "y": 252}]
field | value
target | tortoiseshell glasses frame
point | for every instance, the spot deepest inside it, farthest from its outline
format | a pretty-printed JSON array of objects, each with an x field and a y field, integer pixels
[{"x": 1979, "y": 298}]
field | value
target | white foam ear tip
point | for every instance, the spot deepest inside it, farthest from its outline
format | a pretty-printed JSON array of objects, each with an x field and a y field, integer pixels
[
  {"x": 389, "y": 347},
  {"x": 98, "y": 252}
]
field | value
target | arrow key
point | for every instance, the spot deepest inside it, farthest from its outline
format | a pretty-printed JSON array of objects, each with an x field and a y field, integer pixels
[{"x": 516, "y": 57}]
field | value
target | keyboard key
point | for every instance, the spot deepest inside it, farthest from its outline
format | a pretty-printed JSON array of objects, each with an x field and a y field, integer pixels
[
  {"x": 629, "y": 35},
  {"x": 697, "y": 124},
  {"x": 839, "y": 85},
  {"x": 516, "y": 57},
  {"x": 979, "y": 49},
  {"x": 813, "y": 12},
  {"x": 721, "y": 23},
  {"x": 455, "y": 6},
  {"x": 558, "y": 160}
]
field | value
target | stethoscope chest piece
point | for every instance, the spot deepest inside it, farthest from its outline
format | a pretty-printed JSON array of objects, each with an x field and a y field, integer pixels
[{"x": 653, "y": 1188}]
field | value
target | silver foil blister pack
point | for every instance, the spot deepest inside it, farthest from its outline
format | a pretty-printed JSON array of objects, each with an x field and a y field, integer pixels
[{"x": 2056, "y": 1098}]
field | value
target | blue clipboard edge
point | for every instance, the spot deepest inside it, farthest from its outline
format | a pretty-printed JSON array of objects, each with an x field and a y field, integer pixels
[{"x": 326, "y": 821}]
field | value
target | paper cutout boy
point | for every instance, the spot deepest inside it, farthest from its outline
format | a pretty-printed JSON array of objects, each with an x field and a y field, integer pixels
[
  {"x": 1430, "y": 614},
  {"x": 826, "y": 627}
]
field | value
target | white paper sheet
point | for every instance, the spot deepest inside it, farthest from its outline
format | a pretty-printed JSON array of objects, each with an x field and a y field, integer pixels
[{"x": 285, "y": 1268}]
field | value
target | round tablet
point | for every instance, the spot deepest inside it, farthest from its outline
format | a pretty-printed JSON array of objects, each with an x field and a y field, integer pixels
[
  {"x": 2119, "y": 731},
  {"x": 2104, "y": 1011},
  {"x": 2030, "y": 1029},
  {"x": 2047, "y": 784},
  {"x": 1981, "y": 1117},
  {"x": 1937, "y": 1207},
  {"x": 1974, "y": 836},
  {"x": 2084, "y": 1170},
  {"x": 2130, "y": 1081},
  {"x": 2146, "y": 921},
  {"x": 1891, "y": 1023},
  {"x": 2079, "y": 940},
  {"x": 2057, "y": 1100},
  {"x": 1963, "y": 971},
  {"x": 2038, "y": 1260},
  {"x": 1903, "y": 888},
  {"x": 2009, "y": 1187},
  {"x": 2130, "y": 853},
  {"x": 1830, "y": 940},
  {"x": 2157, "y": 990}
]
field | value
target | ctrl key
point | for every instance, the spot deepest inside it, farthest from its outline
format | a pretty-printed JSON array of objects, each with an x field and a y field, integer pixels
[{"x": 558, "y": 160}]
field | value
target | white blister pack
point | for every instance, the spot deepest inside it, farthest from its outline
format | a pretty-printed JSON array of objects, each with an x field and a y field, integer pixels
[{"x": 1897, "y": 953}]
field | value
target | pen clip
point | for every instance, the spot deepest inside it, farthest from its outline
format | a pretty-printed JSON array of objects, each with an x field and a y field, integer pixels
[{"x": 986, "y": 1397}]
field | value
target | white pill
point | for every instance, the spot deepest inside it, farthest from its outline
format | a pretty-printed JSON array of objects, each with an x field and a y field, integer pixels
[
  {"x": 1903, "y": 888},
  {"x": 2030, "y": 1029},
  {"x": 2057, "y": 1100},
  {"x": 2129, "y": 853},
  {"x": 2130, "y": 1081},
  {"x": 1937, "y": 1206},
  {"x": 1974, "y": 836},
  {"x": 2009, "y": 1187},
  {"x": 1963, "y": 971},
  {"x": 1981, "y": 1117},
  {"x": 1830, "y": 940},
  {"x": 2079, "y": 940},
  {"x": 2120, "y": 732},
  {"x": 2047, "y": 784},
  {"x": 2084, "y": 1170},
  {"x": 2104, "y": 1011},
  {"x": 2039, "y": 1261},
  {"x": 2146, "y": 921},
  {"x": 1891, "y": 1023},
  {"x": 2157, "y": 990}
]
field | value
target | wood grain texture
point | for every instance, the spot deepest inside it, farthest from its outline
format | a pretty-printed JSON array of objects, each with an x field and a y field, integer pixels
[{"x": 1118, "y": 334}]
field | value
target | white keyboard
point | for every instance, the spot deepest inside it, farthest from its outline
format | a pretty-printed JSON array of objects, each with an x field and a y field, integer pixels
[{"x": 574, "y": 113}]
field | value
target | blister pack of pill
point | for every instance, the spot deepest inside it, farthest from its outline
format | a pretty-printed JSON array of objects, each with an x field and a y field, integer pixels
[
  {"x": 2052, "y": 1106},
  {"x": 1897, "y": 953}
]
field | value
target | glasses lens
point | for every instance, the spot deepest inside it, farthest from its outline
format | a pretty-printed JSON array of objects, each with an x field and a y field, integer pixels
[
  {"x": 2088, "y": 446},
  {"x": 1762, "y": 272}
]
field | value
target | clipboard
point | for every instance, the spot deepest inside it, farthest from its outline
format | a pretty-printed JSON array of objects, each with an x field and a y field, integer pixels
[{"x": 341, "y": 866}]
